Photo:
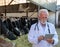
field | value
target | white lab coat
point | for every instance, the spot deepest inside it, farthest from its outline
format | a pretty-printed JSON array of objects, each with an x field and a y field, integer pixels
[{"x": 34, "y": 34}]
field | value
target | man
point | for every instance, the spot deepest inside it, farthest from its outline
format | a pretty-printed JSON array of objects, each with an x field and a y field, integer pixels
[{"x": 36, "y": 35}]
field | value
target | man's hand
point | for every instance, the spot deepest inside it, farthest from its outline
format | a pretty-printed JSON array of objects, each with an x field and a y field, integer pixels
[
  {"x": 50, "y": 41},
  {"x": 40, "y": 38}
]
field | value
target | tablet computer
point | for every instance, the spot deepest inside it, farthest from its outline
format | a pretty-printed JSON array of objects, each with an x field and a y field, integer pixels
[{"x": 47, "y": 36}]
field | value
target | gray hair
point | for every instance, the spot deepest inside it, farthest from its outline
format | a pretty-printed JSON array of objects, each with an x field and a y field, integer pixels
[{"x": 44, "y": 10}]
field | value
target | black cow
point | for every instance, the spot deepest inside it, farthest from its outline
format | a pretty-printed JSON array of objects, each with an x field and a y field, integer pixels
[
  {"x": 11, "y": 27},
  {"x": 3, "y": 30}
]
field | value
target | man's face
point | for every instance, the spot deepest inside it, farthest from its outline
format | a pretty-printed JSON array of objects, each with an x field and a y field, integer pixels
[{"x": 43, "y": 17}]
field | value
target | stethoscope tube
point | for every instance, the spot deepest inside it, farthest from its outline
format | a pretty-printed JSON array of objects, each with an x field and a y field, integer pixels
[{"x": 38, "y": 27}]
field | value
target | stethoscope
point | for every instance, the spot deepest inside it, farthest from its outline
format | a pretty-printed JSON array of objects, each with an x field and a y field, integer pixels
[{"x": 38, "y": 27}]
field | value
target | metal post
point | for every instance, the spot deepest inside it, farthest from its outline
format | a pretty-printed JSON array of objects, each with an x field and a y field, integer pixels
[
  {"x": 55, "y": 13},
  {"x": 38, "y": 10},
  {"x": 5, "y": 6},
  {"x": 55, "y": 19}
]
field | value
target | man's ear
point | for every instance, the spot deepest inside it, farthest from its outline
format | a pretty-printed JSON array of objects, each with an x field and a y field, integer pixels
[{"x": 39, "y": 17}]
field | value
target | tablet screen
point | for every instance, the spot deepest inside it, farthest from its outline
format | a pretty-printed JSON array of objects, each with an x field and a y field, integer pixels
[{"x": 49, "y": 36}]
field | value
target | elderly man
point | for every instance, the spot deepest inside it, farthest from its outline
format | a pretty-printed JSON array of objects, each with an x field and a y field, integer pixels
[{"x": 36, "y": 35}]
